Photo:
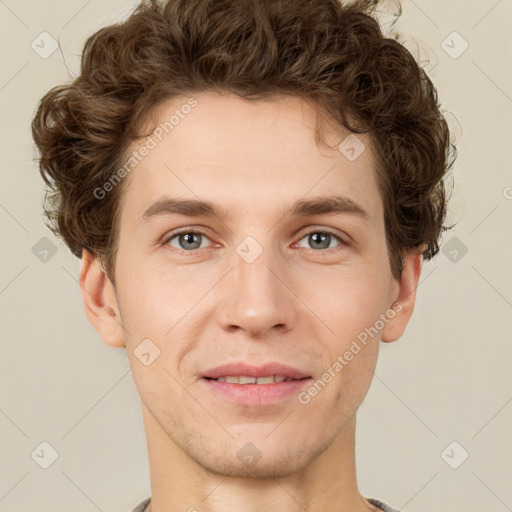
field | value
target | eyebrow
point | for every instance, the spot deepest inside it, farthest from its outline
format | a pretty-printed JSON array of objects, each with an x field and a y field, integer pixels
[{"x": 300, "y": 208}]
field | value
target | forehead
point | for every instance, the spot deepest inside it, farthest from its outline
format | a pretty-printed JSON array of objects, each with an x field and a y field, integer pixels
[{"x": 247, "y": 155}]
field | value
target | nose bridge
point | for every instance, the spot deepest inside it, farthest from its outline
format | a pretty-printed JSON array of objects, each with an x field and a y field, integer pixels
[{"x": 255, "y": 298}]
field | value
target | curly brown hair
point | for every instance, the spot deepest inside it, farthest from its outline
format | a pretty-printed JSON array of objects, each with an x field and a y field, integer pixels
[{"x": 331, "y": 53}]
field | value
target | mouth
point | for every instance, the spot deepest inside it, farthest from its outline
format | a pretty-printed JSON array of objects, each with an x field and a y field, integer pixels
[
  {"x": 245, "y": 373},
  {"x": 244, "y": 380},
  {"x": 244, "y": 384}
]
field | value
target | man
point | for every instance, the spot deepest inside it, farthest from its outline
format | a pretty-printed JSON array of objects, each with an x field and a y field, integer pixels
[{"x": 252, "y": 187}]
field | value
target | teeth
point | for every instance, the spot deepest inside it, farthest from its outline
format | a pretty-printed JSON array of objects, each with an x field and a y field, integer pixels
[
  {"x": 265, "y": 380},
  {"x": 246, "y": 380},
  {"x": 252, "y": 380}
]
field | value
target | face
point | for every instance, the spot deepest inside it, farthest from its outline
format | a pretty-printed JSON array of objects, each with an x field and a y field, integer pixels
[{"x": 276, "y": 277}]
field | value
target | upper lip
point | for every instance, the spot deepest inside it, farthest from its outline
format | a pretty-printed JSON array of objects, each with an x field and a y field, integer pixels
[{"x": 247, "y": 370}]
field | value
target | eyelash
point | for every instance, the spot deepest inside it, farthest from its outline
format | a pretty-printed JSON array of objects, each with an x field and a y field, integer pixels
[{"x": 304, "y": 235}]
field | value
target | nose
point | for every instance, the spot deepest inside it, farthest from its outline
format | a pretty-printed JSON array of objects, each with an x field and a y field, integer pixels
[{"x": 256, "y": 297}]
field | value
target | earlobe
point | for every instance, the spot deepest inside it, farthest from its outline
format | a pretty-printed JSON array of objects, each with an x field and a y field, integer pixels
[
  {"x": 100, "y": 301},
  {"x": 406, "y": 297}
]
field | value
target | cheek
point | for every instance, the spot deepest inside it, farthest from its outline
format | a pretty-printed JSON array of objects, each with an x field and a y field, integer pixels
[
  {"x": 154, "y": 300},
  {"x": 350, "y": 307},
  {"x": 347, "y": 301},
  {"x": 159, "y": 307}
]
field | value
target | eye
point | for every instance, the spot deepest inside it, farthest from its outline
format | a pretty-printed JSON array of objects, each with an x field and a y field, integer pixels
[
  {"x": 187, "y": 240},
  {"x": 321, "y": 239}
]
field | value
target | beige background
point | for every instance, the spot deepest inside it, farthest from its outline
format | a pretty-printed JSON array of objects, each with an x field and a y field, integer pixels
[{"x": 448, "y": 379}]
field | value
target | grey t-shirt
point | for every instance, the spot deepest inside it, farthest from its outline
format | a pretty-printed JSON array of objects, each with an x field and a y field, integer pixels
[
  {"x": 141, "y": 506},
  {"x": 386, "y": 508},
  {"x": 383, "y": 505}
]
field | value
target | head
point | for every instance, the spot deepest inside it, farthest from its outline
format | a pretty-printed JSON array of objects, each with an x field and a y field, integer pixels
[{"x": 322, "y": 152}]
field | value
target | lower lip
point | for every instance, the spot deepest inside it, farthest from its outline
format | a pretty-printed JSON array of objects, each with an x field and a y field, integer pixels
[{"x": 256, "y": 394}]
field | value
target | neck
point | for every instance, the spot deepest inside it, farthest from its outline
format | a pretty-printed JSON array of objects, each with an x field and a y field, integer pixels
[{"x": 178, "y": 482}]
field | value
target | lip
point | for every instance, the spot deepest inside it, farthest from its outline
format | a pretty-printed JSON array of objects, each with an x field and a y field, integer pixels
[
  {"x": 245, "y": 369},
  {"x": 255, "y": 394}
]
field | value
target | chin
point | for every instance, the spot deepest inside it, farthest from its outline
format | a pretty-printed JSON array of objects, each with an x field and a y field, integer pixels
[
  {"x": 249, "y": 461},
  {"x": 236, "y": 469}
]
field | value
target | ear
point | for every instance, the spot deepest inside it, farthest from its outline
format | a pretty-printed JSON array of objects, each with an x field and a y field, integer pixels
[
  {"x": 100, "y": 301},
  {"x": 406, "y": 296}
]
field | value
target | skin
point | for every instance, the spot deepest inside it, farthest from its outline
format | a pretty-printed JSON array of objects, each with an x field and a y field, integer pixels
[{"x": 298, "y": 303}]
